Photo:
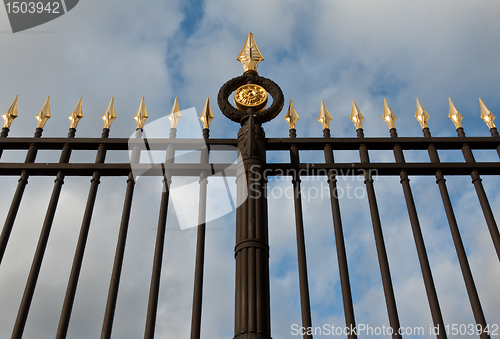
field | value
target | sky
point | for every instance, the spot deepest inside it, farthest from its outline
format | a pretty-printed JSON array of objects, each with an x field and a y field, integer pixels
[{"x": 334, "y": 51}]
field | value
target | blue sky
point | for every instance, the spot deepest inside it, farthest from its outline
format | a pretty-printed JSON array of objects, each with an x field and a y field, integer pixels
[{"x": 316, "y": 50}]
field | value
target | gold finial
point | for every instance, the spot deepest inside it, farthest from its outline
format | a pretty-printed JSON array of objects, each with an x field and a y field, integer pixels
[
  {"x": 76, "y": 115},
  {"x": 44, "y": 114},
  {"x": 389, "y": 116},
  {"x": 356, "y": 116},
  {"x": 250, "y": 55},
  {"x": 421, "y": 115},
  {"x": 110, "y": 114},
  {"x": 175, "y": 114},
  {"x": 11, "y": 114},
  {"x": 324, "y": 117},
  {"x": 486, "y": 115},
  {"x": 291, "y": 116},
  {"x": 141, "y": 115},
  {"x": 455, "y": 115},
  {"x": 206, "y": 115}
]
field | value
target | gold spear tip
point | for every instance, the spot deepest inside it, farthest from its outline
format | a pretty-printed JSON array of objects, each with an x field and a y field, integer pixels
[
  {"x": 324, "y": 117},
  {"x": 389, "y": 115},
  {"x": 421, "y": 115},
  {"x": 110, "y": 114},
  {"x": 206, "y": 115},
  {"x": 250, "y": 55},
  {"x": 486, "y": 115},
  {"x": 141, "y": 115},
  {"x": 44, "y": 114},
  {"x": 11, "y": 114},
  {"x": 356, "y": 116},
  {"x": 76, "y": 115},
  {"x": 455, "y": 115},
  {"x": 175, "y": 114},
  {"x": 291, "y": 116}
]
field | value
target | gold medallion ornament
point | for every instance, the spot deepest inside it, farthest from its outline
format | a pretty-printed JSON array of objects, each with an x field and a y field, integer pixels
[{"x": 250, "y": 96}]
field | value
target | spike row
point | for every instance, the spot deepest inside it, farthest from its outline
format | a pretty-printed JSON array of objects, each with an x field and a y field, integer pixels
[
  {"x": 108, "y": 116},
  {"x": 389, "y": 117}
]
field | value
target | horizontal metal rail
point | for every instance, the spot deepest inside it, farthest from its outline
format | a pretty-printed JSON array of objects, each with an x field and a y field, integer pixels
[
  {"x": 272, "y": 144},
  {"x": 274, "y": 169}
]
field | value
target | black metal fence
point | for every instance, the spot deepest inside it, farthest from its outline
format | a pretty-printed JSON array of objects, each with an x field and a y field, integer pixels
[{"x": 252, "y": 170}]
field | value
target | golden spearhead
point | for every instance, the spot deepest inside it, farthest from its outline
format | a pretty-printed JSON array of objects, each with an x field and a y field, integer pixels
[
  {"x": 356, "y": 116},
  {"x": 389, "y": 115},
  {"x": 291, "y": 116},
  {"x": 206, "y": 115},
  {"x": 141, "y": 115},
  {"x": 324, "y": 117},
  {"x": 175, "y": 115},
  {"x": 455, "y": 115},
  {"x": 76, "y": 115},
  {"x": 11, "y": 114},
  {"x": 250, "y": 55},
  {"x": 421, "y": 115},
  {"x": 44, "y": 114},
  {"x": 110, "y": 114},
  {"x": 486, "y": 115}
]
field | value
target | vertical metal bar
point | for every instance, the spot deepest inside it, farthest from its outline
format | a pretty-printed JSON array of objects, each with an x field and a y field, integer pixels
[
  {"x": 200, "y": 245},
  {"x": 154, "y": 290},
  {"x": 241, "y": 257},
  {"x": 18, "y": 195},
  {"x": 36, "y": 265},
  {"x": 379, "y": 243},
  {"x": 252, "y": 277},
  {"x": 481, "y": 194},
  {"x": 494, "y": 133},
  {"x": 425, "y": 267},
  {"x": 109, "y": 313},
  {"x": 69, "y": 298},
  {"x": 339, "y": 242},
  {"x": 305, "y": 304},
  {"x": 457, "y": 240},
  {"x": 252, "y": 249},
  {"x": 3, "y": 134}
]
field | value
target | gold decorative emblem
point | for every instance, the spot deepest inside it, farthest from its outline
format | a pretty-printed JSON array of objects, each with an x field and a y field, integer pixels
[{"x": 250, "y": 96}]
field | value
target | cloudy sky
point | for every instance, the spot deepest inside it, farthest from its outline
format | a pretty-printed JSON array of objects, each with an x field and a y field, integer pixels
[{"x": 315, "y": 50}]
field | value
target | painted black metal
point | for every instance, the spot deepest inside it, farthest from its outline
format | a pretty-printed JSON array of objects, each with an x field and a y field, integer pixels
[
  {"x": 272, "y": 169},
  {"x": 114, "y": 284},
  {"x": 36, "y": 265},
  {"x": 457, "y": 240},
  {"x": 69, "y": 298},
  {"x": 252, "y": 299},
  {"x": 385, "y": 272},
  {"x": 21, "y": 185},
  {"x": 339, "y": 241},
  {"x": 154, "y": 290},
  {"x": 301, "y": 243},
  {"x": 250, "y": 78},
  {"x": 3, "y": 134},
  {"x": 200, "y": 245},
  {"x": 272, "y": 144},
  {"x": 494, "y": 133},
  {"x": 481, "y": 194},
  {"x": 430, "y": 288}
]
